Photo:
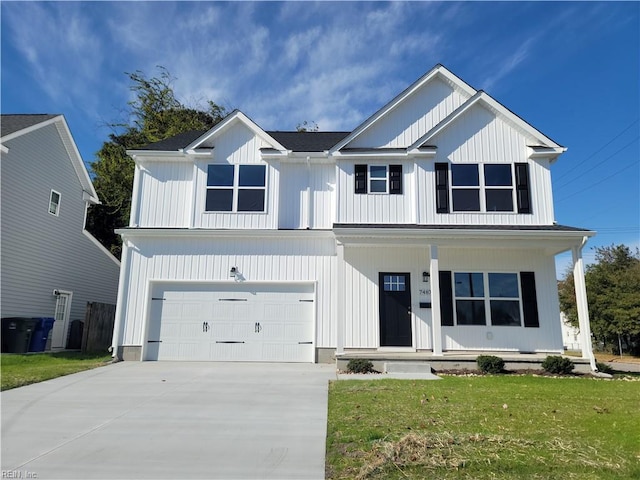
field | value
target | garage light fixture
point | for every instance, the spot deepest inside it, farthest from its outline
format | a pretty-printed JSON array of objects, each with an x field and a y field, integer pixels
[
  {"x": 233, "y": 272},
  {"x": 425, "y": 277}
]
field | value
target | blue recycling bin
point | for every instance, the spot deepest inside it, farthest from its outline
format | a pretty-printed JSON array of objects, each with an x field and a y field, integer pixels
[{"x": 40, "y": 334}]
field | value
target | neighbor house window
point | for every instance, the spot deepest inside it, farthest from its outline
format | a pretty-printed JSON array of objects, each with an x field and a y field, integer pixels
[
  {"x": 486, "y": 187},
  {"x": 487, "y": 299},
  {"x": 378, "y": 179},
  {"x": 236, "y": 188},
  {"x": 54, "y": 203}
]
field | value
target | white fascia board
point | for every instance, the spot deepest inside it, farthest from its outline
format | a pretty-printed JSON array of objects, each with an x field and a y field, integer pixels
[
  {"x": 519, "y": 122},
  {"x": 438, "y": 70},
  {"x": 141, "y": 156},
  {"x": 127, "y": 233},
  {"x": 76, "y": 159},
  {"x": 306, "y": 157},
  {"x": 552, "y": 242},
  {"x": 552, "y": 153},
  {"x": 232, "y": 118},
  {"x": 426, "y": 152},
  {"x": 3, "y": 149},
  {"x": 32, "y": 128}
]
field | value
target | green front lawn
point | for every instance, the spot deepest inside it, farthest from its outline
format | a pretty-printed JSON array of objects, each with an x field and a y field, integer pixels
[
  {"x": 17, "y": 370},
  {"x": 484, "y": 427}
]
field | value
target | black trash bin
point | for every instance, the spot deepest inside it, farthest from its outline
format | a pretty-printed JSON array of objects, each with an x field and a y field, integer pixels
[
  {"x": 41, "y": 334},
  {"x": 75, "y": 335},
  {"x": 16, "y": 334}
]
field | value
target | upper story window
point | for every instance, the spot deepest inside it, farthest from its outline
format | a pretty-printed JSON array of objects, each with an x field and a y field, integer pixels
[
  {"x": 378, "y": 179},
  {"x": 54, "y": 203},
  {"x": 236, "y": 188},
  {"x": 483, "y": 187}
]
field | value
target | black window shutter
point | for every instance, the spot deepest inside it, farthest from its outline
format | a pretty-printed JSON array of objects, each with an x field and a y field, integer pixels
[
  {"x": 529, "y": 299},
  {"x": 361, "y": 179},
  {"x": 395, "y": 179},
  {"x": 446, "y": 299},
  {"x": 523, "y": 192},
  {"x": 442, "y": 187}
]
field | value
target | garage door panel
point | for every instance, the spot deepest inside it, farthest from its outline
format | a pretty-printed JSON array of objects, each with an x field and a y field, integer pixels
[{"x": 239, "y": 322}]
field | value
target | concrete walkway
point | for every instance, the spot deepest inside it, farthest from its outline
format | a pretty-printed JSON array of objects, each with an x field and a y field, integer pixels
[{"x": 161, "y": 420}]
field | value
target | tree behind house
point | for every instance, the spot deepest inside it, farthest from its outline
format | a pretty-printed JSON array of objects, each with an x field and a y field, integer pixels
[
  {"x": 613, "y": 292},
  {"x": 153, "y": 115}
]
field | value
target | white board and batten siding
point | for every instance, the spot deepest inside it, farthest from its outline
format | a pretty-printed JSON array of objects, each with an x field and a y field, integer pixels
[
  {"x": 479, "y": 136},
  {"x": 409, "y": 121},
  {"x": 380, "y": 208},
  {"x": 230, "y": 321},
  {"x": 40, "y": 251},
  {"x": 546, "y": 337},
  {"x": 307, "y": 196},
  {"x": 238, "y": 145},
  {"x": 208, "y": 259},
  {"x": 363, "y": 265},
  {"x": 167, "y": 188}
]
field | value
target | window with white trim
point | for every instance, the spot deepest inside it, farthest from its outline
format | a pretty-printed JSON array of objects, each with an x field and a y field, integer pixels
[
  {"x": 54, "y": 203},
  {"x": 482, "y": 298},
  {"x": 236, "y": 188}
]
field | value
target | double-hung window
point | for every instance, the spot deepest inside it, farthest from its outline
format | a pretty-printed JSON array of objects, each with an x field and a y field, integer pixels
[
  {"x": 378, "y": 179},
  {"x": 490, "y": 187},
  {"x": 236, "y": 188},
  {"x": 487, "y": 298},
  {"x": 54, "y": 203}
]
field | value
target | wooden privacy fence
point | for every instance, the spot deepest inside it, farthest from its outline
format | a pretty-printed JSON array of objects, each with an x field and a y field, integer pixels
[{"x": 98, "y": 327}]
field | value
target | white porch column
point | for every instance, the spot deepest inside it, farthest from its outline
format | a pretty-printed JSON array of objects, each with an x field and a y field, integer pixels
[
  {"x": 340, "y": 314},
  {"x": 436, "y": 324},
  {"x": 581, "y": 302}
]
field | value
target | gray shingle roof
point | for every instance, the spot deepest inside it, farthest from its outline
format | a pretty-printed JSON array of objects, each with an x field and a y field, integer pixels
[
  {"x": 308, "y": 141},
  {"x": 295, "y": 141},
  {"x": 11, "y": 123},
  {"x": 174, "y": 143}
]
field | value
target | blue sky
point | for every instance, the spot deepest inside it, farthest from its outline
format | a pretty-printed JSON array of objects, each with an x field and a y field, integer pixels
[{"x": 571, "y": 69}]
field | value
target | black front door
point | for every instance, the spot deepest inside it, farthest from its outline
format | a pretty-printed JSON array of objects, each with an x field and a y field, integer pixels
[{"x": 395, "y": 310}]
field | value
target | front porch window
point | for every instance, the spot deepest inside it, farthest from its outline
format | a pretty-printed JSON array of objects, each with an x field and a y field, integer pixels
[{"x": 498, "y": 305}]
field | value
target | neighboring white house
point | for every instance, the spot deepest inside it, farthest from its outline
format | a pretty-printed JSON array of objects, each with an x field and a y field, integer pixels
[
  {"x": 429, "y": 228},
  {"x": 51, "y": 266},
  {"x": 570, "y": 335}
]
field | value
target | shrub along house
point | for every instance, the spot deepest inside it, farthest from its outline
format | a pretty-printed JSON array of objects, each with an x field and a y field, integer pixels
[{"x": 428, "y": 231}]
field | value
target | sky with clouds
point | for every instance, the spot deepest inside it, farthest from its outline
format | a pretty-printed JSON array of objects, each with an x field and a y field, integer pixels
[{"x": 571, "y": 69}]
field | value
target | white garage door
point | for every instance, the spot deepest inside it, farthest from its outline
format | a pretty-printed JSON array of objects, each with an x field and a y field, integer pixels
[{"x": 231, "y": 322}]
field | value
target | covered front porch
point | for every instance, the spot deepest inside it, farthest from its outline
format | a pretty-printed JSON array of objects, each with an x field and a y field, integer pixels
[{"x": 435, "y": 264}]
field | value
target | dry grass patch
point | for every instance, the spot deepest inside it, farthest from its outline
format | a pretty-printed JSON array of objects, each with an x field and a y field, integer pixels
[{"x": 484, "y": 427}]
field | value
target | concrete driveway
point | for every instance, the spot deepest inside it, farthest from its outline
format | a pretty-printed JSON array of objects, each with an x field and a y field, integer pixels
[{"x": 170, "y": 420}]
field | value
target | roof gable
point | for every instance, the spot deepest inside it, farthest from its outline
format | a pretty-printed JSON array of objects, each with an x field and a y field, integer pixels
[
  {"x": 18, "y": 125},
  {"x": 439, "y": 72},
  {"x": 12, "y": 125},
  {"x": 205, "y": 141},
  {"x": 485, "y": 100}
]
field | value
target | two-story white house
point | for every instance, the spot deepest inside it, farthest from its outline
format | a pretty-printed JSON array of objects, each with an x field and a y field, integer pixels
[{"x": 429, "y": 229}]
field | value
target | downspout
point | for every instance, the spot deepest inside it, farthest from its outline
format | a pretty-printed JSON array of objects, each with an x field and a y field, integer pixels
[
  {"x": 582, "y": 304},
  {"x": 309, "y": 203},
  {"x": 123, "y": 288}
]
